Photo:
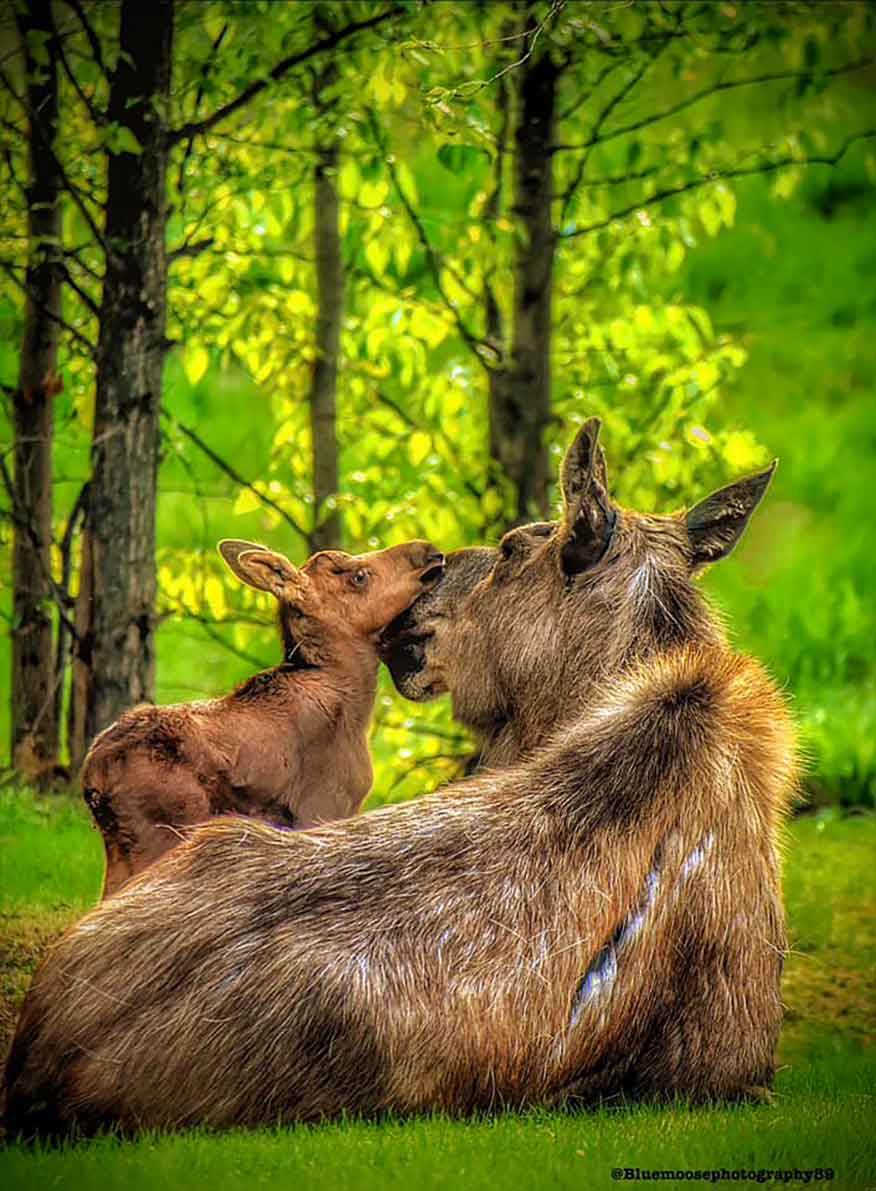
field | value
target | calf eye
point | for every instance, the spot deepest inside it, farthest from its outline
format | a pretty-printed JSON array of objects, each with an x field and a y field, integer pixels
[
  {"x": 359, "y": 578},
  {"x": 506, "y": 549}
]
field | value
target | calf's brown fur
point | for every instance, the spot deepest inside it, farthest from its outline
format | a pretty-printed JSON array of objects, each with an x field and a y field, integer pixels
[
  {"x": 289, "y": 745},
  {"x": 602, "y": 916}
]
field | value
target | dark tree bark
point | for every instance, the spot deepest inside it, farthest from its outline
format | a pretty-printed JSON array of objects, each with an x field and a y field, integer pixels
[
  {"x": 520, "y": 407},
  {"x": 114, "y": 660},
  {"x": 323, "y": 389},
  {"x": 34, "y": 737},
  {"x": 330, "y": 303},
  {"x": 498, "y": 376},
  {"x": 77, "y": 737},
  {"x": 68, "y": 634},
  {"x": 116, "y": 649}
]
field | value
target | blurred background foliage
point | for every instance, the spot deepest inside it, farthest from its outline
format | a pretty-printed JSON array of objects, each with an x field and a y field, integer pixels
[{"x": 713, "y": 299}]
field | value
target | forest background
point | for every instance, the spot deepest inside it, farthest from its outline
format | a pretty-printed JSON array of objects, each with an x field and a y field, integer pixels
[{"x": 349, "y": 273}]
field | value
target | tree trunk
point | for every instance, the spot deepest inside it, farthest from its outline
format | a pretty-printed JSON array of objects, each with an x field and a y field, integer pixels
[
  {"x": 120, "y": 540},
  {"x": 520, "y": 398},
  {"x": 330, "y": 298},
  {"x": 77, "y": 741},
  {"x": 34, "y": 742},
  {"x": 494, "y": 325}
]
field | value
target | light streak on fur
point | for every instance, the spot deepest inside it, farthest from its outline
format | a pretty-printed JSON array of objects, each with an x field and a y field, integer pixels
[{"x": 599, "y": 981}]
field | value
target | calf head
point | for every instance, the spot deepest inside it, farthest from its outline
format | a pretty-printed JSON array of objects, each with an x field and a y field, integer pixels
[
  {"x": 520, "y": 633},
  {"x": 335, "y": 597}
]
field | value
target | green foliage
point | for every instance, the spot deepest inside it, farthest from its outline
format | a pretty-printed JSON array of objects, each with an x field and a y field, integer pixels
[
  {"x": 651, "y": 134},
  {"x": 799, "y": 595}
]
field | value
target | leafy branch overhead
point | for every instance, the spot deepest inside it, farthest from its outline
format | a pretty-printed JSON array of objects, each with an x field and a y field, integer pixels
[{"x": 366, "y": 264}]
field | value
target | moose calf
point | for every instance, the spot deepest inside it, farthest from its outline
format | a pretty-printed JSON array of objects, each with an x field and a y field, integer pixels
[
  {"x": 601, "y": 917},
  {"x": 289, "y": 745}
]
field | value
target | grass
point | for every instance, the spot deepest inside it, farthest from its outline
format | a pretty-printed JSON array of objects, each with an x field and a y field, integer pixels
[
  {"x": 795, "y": 283},
  {"x": 50, "y": 864}
]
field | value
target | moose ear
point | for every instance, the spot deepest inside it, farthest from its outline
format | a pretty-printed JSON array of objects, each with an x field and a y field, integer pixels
[
  {"x": 263, "y": 569},
  {"x": 589, "y": 517},
  {"x": 716, "y": 524}
]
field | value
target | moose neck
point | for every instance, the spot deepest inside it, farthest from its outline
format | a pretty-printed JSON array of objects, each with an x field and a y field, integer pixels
[{"x": 658, "y": 615}]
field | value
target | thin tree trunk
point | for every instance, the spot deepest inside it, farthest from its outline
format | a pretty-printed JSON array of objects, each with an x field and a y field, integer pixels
[
  {"x": 77, "y": 735},
  {"x": 521, "y": 397},
  {"x": 64, "y": 642},
  {"x": 34, "y": 736},
  {"x": 131, "y": 346},
  {"x": 501, "y": 433},
  {"x": 330, "y": 298}
]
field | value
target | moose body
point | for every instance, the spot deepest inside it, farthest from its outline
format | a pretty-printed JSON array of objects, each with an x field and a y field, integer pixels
[
  {"x": 602, "y": 916},
  {"x": 290, "y": 745}
]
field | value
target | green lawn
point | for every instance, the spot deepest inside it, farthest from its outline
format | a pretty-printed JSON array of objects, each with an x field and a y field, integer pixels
[{"x": 823, "y": 1115}]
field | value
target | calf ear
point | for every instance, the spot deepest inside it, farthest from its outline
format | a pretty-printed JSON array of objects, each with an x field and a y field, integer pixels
[
  {"x": 232, "y": 548},
  {"x": 263, "y": 569},
  {"x": 716, "y": 524},
  {"x": 589, "y": 517}
]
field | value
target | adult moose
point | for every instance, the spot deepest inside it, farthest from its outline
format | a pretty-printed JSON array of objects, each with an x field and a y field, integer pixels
[{"x": 602, "y": 916}]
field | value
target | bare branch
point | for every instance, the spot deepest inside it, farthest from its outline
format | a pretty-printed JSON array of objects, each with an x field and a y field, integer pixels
[
  {"x": 207, "y": 625},
  {"x": 766, "y": 167},
  {"x": 704, "y": 93},
  {"x": 605, "y": 114},
  {"x": 609, "y": 107},
  {"x": 272, "y": 147},
  {"x": 433, "y": 433},
  {"x": 194, "y": 127},
  {"x": 56, "y": 318},
  {"x": 235, "y": 475},
  {"x": 93, "y": 39},
  {"x": 619, "y": 179},
  {"x": 8, "y": 485},
  {"x": 473, "y": 86},
  {"x": 60, "y": 598},
  {"x": 84, "y": 296},
  {"x": 97, "y": 118},
  {"x": 199, "y": 95},
  {"x": 71, "y": 189},
  {"x": 478, "y": 346},
  {"x": 192, "y": 249},
  {"x": 74, "y": 255},
  {"x": 585, "y": 94}
]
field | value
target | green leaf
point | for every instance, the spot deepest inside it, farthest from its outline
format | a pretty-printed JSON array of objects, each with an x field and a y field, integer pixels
[
  {"x": 460, "y": 159},
  {"x": 36, "y": 46},
  {"x": 118, "y": 138},
  {"x": 214, "y": 594},
  {"x": 247, "y": 502},
  {"x": 195, "y": 361},
  {"x": 492, "y": 504},
  {"x": 377, "y": 256},
  {"x": 373, "y": 194},
  {"x": 419, "y": 446}
]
